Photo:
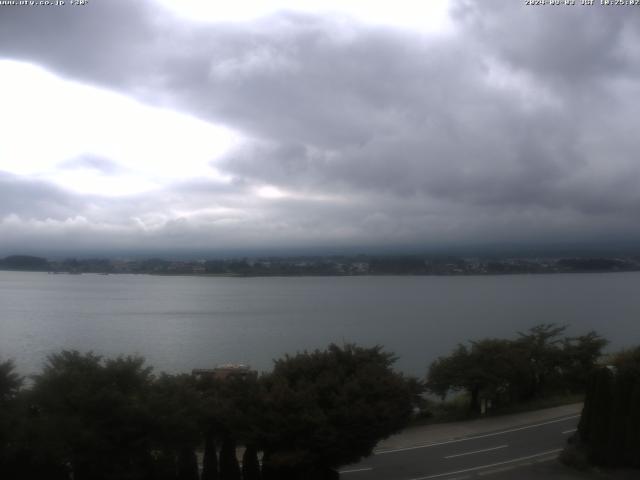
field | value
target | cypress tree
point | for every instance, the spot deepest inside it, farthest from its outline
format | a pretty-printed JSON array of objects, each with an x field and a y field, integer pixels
[
  {"x": 610, "y": 425},
  {"x": 229, "y": 468},
  {"x": 586, "y": 418},
  {"x": 210, "y": 460},
  {"x": 250, "y": 464},
  {"x": 164, "y": 466},
  {"x": 267, "y": 471},
  {"x": 632, "y": 437},
  {"x": 600, "y": 419},
  {"x": 620, "y": 413},
  {"x": 187, "y": 464}
]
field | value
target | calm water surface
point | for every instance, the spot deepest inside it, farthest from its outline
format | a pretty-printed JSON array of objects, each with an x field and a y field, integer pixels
[{"x": 179, "y": 323}]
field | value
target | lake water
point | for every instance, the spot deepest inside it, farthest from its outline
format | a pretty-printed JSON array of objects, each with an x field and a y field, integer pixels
[{"x": 179, "y": 323}]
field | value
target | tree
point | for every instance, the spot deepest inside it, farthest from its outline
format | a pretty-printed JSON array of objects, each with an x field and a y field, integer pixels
[
  {"x": 187, "y": 463},
  {"x": 506, "y": 371},
  {"x": 610, "y": 423},
  {"x": 447, "y": 374},
  {"x": 594, "y": 422},
  {"x": 626, "y": 424},
  {"x": 231, "y": 410},
  {"x": 541, "y": 345},
  {"x": 580, "y": 355},
  {"x": 250, "y": 464},
  {"x": 229, "y": 468},
  {"x": 91, "y": 414},
  {"x": 210, "y": 457},
  {"x": 10, "y": 384},
  {"x": 10, "y": 381},
  {"x": 176, "y": 406},
  {"x": 489, "y": 369},
  {"x": 329, "y": 408}
]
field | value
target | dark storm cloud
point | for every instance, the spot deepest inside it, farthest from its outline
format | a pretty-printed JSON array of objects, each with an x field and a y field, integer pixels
[
  {"x": 579, "y": 45},
  {"x": 309, "y": 82},
  {"x": 35, "y": 199},
  {"x": 369, "y": 108},
  {"x": 519, "y": 125},
  {"x": 107, "y": 42}
]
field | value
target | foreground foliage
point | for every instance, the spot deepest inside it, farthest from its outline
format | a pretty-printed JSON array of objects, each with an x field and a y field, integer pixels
[
  {"x": 90, "y": 418},
  {"x": 609, "y": 429},
  {"x": 506, "y": 372},
  {"x": 350, "y": 398}
]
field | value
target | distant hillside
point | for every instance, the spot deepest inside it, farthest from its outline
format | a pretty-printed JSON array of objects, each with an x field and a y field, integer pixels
[
  {"x": 24, "y": 262},
  {"x": 321, "y": 266}
]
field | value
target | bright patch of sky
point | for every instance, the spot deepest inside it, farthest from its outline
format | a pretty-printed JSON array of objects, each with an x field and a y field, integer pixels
[{"x": 92, "y": 140}]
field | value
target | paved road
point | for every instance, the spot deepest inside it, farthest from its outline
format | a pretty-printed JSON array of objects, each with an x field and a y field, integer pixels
[{"x": 467, "y": 457}]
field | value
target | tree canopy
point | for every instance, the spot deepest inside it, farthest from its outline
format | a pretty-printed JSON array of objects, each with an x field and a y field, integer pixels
[
  {"x": 609, "y": 428},
  {"x": 95, "y": 418},
  {"x": 329, "y": 408},
  {"x": 505, "y": 371}
]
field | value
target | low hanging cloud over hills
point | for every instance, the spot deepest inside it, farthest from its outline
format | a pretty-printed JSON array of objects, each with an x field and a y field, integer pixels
[{"x": 127, "y": 125}]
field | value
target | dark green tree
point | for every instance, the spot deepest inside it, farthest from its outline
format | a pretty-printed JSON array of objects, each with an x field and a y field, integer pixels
[
  {"x": 537, "y": 363},
  {"x": 250, "y": 464},
  {"x": 10, "y": 384},
  {"x": 232, "y": 408},
  {"x": 210, "y": 456},
  {"x": 490, "y": 369},
  {"x": 594, "y": 426},
  {"x": 449, "y": 373},
  {"x": 329, "y": 408},
  {"x": 610, "y": 422},
  {"x": 542, "y": 348},
  {"x": 229, "y": 468},
  {"x": 579, "y": 359},
  {"x": 175, "y": 403},
  {"x": 91, "y": 414},
  {"x": 187, "y": 463},
  {"x": 10, "y": 381}
]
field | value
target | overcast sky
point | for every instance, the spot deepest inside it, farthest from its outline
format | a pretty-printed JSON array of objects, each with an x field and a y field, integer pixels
[{"x": 182, "y": 124}]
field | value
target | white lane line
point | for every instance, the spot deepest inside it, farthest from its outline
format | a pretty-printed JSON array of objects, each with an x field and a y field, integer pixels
[
  {"x": 566, "y": 432},
  {"x": 493, "y": 471},
  {"x": 427, "y": 445},
  {"x": 356, "y": 470},
  {"x": 543, "y": 460},
  {"x": 477, "y": 451},
  {"x": 481, "y": 467}
]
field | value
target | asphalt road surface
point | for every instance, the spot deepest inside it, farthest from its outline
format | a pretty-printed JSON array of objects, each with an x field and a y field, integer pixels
[{"x": 467, "y": 457}]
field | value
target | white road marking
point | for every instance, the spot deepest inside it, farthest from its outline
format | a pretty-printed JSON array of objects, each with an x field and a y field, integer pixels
[
  {"x": 477, "y": 451},
  {"x": 543, "y": 460},
  {"x": 356, "y": 470},
  {"x": 383, "y": 452},
  {"x": 481, "y": 467},
  {"x": 566, "y": 432},
  {"x": 493, "y": 471}
]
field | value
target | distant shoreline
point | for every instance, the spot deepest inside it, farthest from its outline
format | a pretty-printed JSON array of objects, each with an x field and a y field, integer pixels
[
  {"x": 320, "y": 275},
  {"x": 330, "y": 266}
]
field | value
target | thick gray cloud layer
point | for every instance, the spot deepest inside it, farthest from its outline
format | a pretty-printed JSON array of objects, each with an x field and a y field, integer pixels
[{"x": 517, "y": 127}]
